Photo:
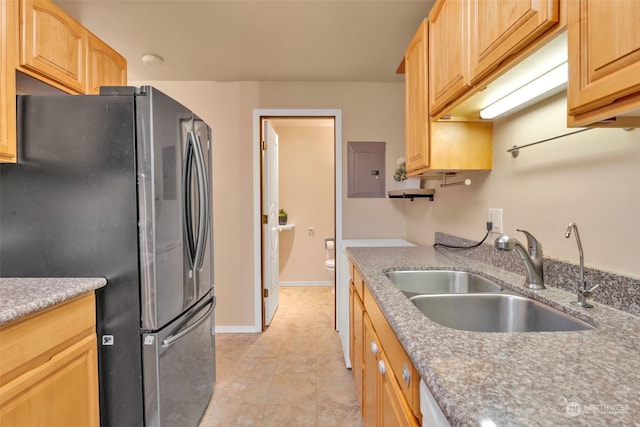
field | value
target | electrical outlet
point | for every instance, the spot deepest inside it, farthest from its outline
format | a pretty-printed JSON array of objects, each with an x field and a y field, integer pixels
[{"x": 495, "y": 216}]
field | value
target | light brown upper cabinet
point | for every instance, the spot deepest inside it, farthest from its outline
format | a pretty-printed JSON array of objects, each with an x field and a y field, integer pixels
[
  {"x": 106, "y": 67},
  {"x": 604, "y": 62},
  {"x": 437, "y": 146},
  {"x": 500, "y": 28},
  {"x": 460, "y": 146},
  {"x": 7, "y": 82},
  {"x": 39, "y": 39},
  {"x": 448, "y": 53},
  {"x": 52, "y": 44},
  {"x": 416, "y": 101}
]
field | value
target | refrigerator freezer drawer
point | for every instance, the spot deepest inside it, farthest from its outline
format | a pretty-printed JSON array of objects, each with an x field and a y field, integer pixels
[{"x": 179, "y": 369}]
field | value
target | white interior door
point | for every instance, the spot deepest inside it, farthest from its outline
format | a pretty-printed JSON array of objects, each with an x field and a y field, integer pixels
[{"x": 270, "y": 249}]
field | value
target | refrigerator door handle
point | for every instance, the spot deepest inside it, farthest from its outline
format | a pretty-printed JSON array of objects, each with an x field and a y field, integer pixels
[
  {"x": 203, "y": 203},
  {"x": 186, "y": 192},
  {"x": 173, "y": 338}
]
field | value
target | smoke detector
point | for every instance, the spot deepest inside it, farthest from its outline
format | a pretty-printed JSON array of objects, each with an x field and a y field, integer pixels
[{"x": 152, "y": 60}]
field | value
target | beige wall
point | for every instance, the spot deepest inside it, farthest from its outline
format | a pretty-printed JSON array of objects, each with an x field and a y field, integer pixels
[
  {"x": 370, "y": 111},
  {"x": 590, "y": 178},
  {"x": 306, "y": 191}
]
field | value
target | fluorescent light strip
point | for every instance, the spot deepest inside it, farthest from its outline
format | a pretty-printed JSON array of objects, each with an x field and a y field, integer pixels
[{"x": 546, "y": 84}]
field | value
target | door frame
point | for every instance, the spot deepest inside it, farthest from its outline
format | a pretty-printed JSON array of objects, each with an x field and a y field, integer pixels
[{"x": 258, "y": 115}]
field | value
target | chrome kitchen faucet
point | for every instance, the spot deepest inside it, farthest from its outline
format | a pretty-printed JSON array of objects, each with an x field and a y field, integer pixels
[
  {"x": 532, "y": 257},
  {"x": 583, "y": 292}
]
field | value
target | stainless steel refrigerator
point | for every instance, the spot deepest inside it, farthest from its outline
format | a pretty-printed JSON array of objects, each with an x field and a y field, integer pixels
[{"x": 118, "y": 185}]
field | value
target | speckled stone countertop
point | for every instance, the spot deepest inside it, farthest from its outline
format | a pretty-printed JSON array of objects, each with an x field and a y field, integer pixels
[
  {"x": 22, "y": 296},
  {"x": 513, "y": 379}
]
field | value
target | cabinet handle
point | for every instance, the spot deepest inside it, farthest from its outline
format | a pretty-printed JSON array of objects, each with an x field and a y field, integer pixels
[
  {"x": 374, "y": 347},
  {"x": 381, "y": 367},
  {"x": 406, "y": 374}
]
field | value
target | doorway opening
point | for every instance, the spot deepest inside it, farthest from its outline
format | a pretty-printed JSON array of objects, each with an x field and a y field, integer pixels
[{"x": 308, "y": 143}]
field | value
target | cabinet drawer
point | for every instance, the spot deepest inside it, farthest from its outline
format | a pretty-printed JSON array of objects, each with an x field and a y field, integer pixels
[
  {"x": 31, "y": 341},
  {"x": 358, "y": 283}
]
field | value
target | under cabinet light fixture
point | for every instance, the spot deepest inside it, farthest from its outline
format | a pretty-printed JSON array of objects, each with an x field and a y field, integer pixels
[{"x": 549, "y": 83}]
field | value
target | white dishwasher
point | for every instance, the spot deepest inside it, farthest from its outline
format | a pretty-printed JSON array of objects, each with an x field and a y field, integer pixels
[
  {"x": 432, "y": 415},
  {"x": 342, "y": 284}
]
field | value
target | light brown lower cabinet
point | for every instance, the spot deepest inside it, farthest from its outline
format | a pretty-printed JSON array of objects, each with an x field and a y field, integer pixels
[
  {"x": 386, "y": 381},
  {"x": 48, "y": 367},
  {"x": 356, "y": 311}
]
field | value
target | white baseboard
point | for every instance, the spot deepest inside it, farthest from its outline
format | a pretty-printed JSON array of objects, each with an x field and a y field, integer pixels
[
  {"x": 323, "y": 283},
  {"x": 237, "y": 329}
]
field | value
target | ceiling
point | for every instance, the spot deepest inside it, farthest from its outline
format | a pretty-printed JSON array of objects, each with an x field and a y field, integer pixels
[{"x": 256, "y": 40}]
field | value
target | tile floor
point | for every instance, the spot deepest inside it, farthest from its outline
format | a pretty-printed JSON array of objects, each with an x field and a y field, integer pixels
[{"x": 291, "y": 375}]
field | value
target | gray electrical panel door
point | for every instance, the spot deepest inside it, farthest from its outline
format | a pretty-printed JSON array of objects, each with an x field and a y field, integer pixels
[{"x": 366, "y": 169}]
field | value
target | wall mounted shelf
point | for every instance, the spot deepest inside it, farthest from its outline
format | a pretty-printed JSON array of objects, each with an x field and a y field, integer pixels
[
  {"x": 286, "y": 227},
  {"x": 412, "y": 193}
]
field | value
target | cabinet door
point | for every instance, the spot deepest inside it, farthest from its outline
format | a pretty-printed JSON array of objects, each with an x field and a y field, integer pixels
[
  {"x": 448, "y": 53},
  {"x": 356, "y": 312},
  {"x": 417, "y": 102},
  {"x": 7, "y": 82},
  {"x": 106, "y": 67},
  {"x": 61, "y": 392},
  {"x": 604, "y": 54},
  {"x": 371, "y": 352},
  {"x": 358, "y": 327},
  {"x": 394, "y": 411},
  {"x": 52, "y": 44},
  {"x": 357, "y": 367},
  {"x": 398, "y": 360},
  {"x": 500, "y": 28},
  {"x": 351, "y": 337}
]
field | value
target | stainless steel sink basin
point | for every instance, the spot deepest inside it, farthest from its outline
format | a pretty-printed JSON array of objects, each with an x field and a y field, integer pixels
[
  {"x": 421, "y": 282},
  {"x": 495, "y": 313}
]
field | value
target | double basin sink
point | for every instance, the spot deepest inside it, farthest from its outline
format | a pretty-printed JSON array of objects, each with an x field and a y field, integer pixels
[{"x": 467, "y": 301}]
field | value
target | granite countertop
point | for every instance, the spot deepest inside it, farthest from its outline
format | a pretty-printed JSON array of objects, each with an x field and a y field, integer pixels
[
  {"x": 500, "y": 379},
  {"x": 22, "y": 296}
]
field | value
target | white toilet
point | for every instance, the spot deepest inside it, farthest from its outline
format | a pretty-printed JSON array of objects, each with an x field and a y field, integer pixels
[
  {"x": 330, "y": 246},
  {"x": 330, "y": 262}
]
